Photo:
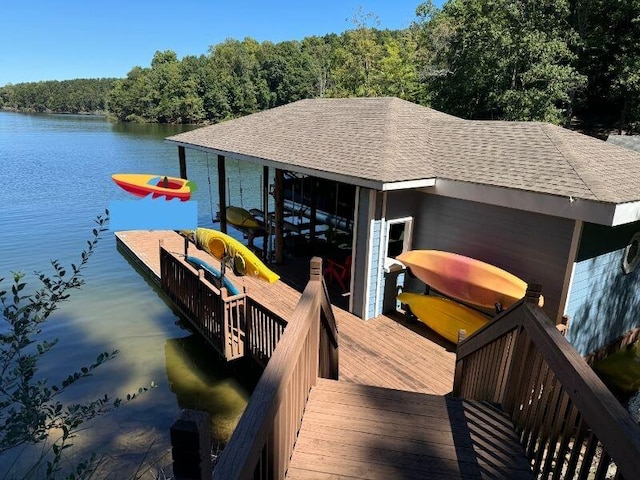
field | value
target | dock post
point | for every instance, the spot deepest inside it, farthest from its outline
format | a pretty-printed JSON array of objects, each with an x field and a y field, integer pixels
[
  {"x": 182, "y": 157},
  {"x": 191, "y": 446},
  {"x": 279, "y": 215},
  {"x": 222, "y": 192}
]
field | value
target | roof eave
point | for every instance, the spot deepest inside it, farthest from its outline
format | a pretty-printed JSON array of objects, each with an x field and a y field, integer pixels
[
  {"x": 353, "y": 180},
  {"x": 592, "y": 211}
]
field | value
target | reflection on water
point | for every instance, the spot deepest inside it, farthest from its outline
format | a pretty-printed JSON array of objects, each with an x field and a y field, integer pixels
[
  {"x": 200, "y": 382},
  {"x": 56, "y": 176}
]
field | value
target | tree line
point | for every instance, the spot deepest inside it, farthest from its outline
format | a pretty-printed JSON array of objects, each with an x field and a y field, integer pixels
[
  {"x": 67, "y": 96},
  {"x": 546, "y": 60}
]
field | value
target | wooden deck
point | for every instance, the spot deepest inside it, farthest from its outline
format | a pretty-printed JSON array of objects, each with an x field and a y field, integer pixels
[
  {"x": 382, "y": 352},
  {"x": 354, "y": 431}
]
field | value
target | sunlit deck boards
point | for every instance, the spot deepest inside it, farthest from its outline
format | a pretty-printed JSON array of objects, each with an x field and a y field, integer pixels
[
  {"x": 355, "y": 431},
  {"x": 380, "y": 352}
]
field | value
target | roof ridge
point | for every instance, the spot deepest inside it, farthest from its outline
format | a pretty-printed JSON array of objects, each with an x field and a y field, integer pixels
[
  {"x": 566, "y": 154},
  {"x": 390, "y": 131}
]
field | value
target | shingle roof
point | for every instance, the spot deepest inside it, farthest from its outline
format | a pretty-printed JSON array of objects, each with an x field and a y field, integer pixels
[
  {"x": 389, "y": 140},
  {"x": 627, "y": 141}
]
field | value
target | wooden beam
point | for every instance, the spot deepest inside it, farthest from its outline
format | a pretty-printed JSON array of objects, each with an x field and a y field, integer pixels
[
  {"x": 222, "y": 191},
  {"x": 312, "y": 220},
  {"x": 182, "y": 156},
  {"x": 279, "y": 200},
  {"x": 265, "y": 211}
]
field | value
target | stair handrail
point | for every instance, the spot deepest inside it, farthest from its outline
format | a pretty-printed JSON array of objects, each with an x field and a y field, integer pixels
[
  {"x": 263, "y": 441},
  {"x": 603, "y": 414}
]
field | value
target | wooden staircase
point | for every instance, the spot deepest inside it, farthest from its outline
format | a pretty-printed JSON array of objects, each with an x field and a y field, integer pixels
[
  {"x": 526, "y": 405},
  {"x": 357, "y": 431}
]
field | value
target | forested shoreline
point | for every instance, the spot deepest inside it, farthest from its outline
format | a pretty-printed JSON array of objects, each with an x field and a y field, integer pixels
[{"x": 546, "y": 60}]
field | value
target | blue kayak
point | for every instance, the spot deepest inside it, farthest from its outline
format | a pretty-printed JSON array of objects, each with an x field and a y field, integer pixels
[{"x": 197, "y": 263}]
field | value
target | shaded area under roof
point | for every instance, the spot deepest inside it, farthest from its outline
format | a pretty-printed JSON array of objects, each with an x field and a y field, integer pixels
[{"x": 375, "y": 142}]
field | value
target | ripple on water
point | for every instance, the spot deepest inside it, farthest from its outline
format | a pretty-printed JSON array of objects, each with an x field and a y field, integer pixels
[{"x": 56, "y": 179}]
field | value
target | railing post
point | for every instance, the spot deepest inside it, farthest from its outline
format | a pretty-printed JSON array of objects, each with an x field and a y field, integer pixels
[
  {"x": 534, "y": 290},
  {"x": 316, "y": 269},
  {"x": 462, "y": 335},
  {"x": 315, "y": 275},
  {"x": 191, "y": 445}
]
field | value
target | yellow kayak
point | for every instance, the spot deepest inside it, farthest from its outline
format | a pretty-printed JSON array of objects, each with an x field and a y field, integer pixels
[
  {"x": 241, "y": 218},
  {"x": 443, "y": 316},
  {"x": 224, "y": 247}
]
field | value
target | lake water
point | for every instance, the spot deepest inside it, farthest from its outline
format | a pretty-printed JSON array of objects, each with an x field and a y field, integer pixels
[{"x": 55, "y": 179}]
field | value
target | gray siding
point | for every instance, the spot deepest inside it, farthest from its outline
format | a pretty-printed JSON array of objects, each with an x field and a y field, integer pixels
[
  {"x": 367, "y": 262},
  {"x": 404, "y": 203},
  {"x": 533, "y": 247},
  {"x": 604, "y": 303},
  {"x": 361, "y": 254}
]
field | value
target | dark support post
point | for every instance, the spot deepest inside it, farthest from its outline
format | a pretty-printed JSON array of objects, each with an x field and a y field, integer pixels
[
  {"x": 191, "y": 446},
  {"x": 182, "y": 156},
  {"x": 312, "y": 220},
  {"x": 279, "y": 200},
  {"x": 265, "y": 213},
  {"x": 534, "y": 290},
  {"x": 222, "y": 190},
  {"x": 183, "y": 162}
]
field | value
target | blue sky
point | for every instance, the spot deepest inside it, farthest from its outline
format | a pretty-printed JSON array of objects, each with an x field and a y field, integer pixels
[{"x": 66, "y": 39}]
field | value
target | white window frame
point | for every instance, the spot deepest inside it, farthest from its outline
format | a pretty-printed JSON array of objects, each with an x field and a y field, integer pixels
[{"x": 391, "y": 264}]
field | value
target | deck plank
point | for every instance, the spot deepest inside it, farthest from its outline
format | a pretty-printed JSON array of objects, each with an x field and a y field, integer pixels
[
  {"x": 383, "y": 351},
  {"x": 357, "y": 431}
]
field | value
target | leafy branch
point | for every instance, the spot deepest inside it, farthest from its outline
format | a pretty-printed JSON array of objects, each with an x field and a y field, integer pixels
[{"x": 31, "y": 408}]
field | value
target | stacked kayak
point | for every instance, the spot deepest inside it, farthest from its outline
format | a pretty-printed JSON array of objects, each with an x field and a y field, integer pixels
[
  {"x": 474, "y": 283},
  {"x": 228, "y": 249},
  {"x": 466, "y": 279}
]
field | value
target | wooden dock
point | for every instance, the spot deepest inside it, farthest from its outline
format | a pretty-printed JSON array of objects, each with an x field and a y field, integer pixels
[
  {"x": 523, "y": 403},
  {"x": 382, "y": 352}
]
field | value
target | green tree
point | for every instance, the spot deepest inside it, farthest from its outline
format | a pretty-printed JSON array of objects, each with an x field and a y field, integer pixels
[
  {"x": 609, "y": 55},
  {"x": 288, "y": 71},
  {"x": 398, "y": 73},
  {"x": 241, "y": 84},
  {"x": 508, "y": 59},
  {"x": 167, "y": 92},
  {"x": 68, "y": 96},
  {"x": 31, "y": 409},
  {"x": 319, "y": 50},
  {"x": 357, "y": 59}
]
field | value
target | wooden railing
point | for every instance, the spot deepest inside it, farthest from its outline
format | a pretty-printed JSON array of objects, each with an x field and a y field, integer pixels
[
  {"x": 569, "y": 424},
  {"x": 264, "y": 330},
  {"x": 262, "y": 443},
  {"x": 218, "y": 317}
]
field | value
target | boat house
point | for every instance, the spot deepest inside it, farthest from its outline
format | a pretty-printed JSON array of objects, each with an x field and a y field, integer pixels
[{"x": 549, "y": 205}]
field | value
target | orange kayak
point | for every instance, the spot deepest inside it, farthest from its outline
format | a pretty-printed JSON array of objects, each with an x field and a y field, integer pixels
[
  {"x": 143, "y": 184},
  {"x": 466, "y": 279}
]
